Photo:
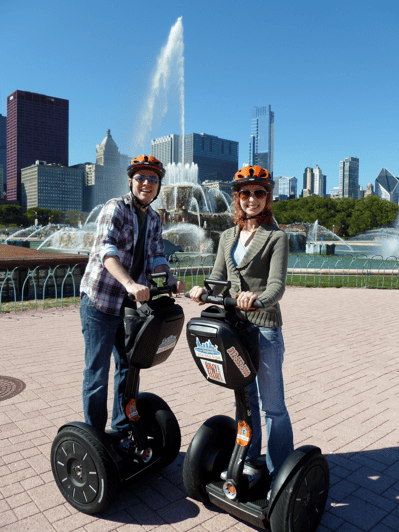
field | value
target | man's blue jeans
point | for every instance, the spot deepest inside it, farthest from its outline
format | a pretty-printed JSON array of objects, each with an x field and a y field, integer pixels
[
  {"x": 100, "y": 331},
  {"x": 267, "y": 393}
]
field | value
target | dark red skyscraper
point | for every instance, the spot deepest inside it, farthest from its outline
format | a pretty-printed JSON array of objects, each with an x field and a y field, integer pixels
[{"x": 37, "y": 129}]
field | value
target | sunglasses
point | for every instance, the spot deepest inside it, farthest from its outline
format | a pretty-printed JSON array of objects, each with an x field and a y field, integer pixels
[
  {"x": 259, "y": 193},
  {"x": 151, "y": 179}
]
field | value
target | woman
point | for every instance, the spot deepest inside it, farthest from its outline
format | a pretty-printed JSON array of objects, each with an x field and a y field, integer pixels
[{"x": 253, "y": 255}]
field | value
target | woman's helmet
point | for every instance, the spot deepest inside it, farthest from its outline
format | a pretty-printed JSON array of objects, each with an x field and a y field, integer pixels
[
  {"x": 146, "y": 162},
  {"x": 252, "y": 175}
]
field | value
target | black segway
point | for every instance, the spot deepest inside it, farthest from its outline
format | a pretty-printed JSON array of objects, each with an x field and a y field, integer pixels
[
  {"x": 215, "y": 467},
  {"x": 88, "y": 465}
]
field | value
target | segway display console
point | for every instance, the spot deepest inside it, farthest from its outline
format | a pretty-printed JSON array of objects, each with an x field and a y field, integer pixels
[
  {"x": 88, "y": 465},
  {"x": 215, "y": 468}
]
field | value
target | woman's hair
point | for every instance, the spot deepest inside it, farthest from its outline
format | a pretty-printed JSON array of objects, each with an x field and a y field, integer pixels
[{"x": 266, "y": 217}]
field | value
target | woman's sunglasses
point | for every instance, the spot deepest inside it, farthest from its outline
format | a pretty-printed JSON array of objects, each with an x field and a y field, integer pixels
[
  {"x": 151, "y": 179},
  {"x": 259, "y": 193}
]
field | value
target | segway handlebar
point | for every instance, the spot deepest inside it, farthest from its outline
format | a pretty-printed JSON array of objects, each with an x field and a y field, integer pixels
[
  {"x": 208, "y": 297},
  {"x": 158, "y": 290}
]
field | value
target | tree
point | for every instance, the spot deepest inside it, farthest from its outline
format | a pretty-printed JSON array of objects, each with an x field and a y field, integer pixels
[
  {"x": 42, "y": 215},
  {"x": 10, "y": 214},
  {"x": 74, "y": 217}
]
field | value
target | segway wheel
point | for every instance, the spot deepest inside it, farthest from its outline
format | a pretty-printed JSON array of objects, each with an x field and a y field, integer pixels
[
  {"x": 300, "y": 506},
  {"x": 208, "y": 455},
  {"x": 83, "y": 470},
  {"x": 161, "y": 426}
]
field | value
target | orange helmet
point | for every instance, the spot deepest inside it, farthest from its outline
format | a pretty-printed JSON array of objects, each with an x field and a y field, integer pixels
[
  {"x": 252, "y": 175},
  {"x": 146, "y": 162}
]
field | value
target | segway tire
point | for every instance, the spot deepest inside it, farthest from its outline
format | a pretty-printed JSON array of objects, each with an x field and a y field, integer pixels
[
  {"x": 83, "y": 470},
  {"x": 160, "y": 424},
  {"x": 300, "y": 506},
  {"x": 208, "y": 455}
]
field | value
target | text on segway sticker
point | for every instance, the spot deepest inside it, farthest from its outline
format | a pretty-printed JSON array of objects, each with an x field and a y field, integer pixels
[
  {"x": 131, "y": 410},
  {"x": 244, "y": 434},
  {"x": 214, "y": 371},
  {"x": 167, "y": 343},
  {"x": 207, "y": 350},
  {"x": 238, "y": 361}
]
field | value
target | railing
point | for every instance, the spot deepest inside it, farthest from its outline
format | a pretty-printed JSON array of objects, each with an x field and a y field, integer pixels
[{"x": 23, "y": 284}]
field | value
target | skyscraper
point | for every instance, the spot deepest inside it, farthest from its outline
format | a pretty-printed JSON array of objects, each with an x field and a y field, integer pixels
[
  {"x": 37, "y": 129},
  {"x": 314, "y": 182},
  {"x": 217, "y": 159},
  {"x": 349, "y": 178},
  {"x": 261, "y": 141},
  {"x": 387, "y": 186},
  {"x": 319, "y": 183},
  {"x": 285, "y": 188},
  {"x": 107, "y": 177},
  {"x": 3, "y": 152}
]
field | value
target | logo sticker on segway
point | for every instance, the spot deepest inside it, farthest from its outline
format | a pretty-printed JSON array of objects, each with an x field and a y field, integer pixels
[
  {"x": 207, "y": 350},
  {"x": 214, "y": 371},
  {"x": 167, "y": 343},
  {"x": 238, "y": 361},
  {"x": 131, "y": 410},
  {"x": 244, "y": 434}
]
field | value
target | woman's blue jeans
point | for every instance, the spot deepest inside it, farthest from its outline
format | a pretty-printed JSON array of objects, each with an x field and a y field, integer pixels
[
  {"x": 267, "y": 393},
  {"x": 100, "y": 332}
]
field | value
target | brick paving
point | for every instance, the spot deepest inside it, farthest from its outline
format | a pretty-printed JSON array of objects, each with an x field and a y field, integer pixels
[{"x": 342, "y": 387}]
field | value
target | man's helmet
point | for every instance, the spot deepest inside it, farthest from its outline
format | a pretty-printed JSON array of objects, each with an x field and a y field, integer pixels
[
  {"x": 146, "y": 162},
  {"x": 252, "y": 175}
]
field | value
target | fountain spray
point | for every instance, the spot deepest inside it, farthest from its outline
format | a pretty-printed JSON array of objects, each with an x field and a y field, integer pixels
[{"x": 171, "y": 55}]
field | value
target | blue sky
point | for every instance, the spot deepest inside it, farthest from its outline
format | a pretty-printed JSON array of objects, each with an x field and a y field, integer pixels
[{"x": 329, "y": 71}]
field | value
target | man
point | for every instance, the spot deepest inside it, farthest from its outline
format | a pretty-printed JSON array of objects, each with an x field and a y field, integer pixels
[{"x": 128, "y": 245}]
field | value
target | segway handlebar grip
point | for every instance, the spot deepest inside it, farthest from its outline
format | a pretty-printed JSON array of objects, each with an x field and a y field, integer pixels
[
  {"x": 229, "y": 301},
  {"x": 224, "y": 301},
  {"x": 158, "y": 290}
]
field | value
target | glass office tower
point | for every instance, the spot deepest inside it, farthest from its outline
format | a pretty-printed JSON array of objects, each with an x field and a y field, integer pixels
[
  {"x": 261, "y": 141},
  {"x": 349, "y": 178}
]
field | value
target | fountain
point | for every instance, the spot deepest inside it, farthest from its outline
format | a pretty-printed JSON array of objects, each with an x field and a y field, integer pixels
[
  {"x": 382, "y": 242},
  {"x": 314, "y": 238},
  {"x": 184, "y": 205}
]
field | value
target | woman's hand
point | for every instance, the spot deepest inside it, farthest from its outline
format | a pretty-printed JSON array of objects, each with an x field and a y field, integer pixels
[
  {"x": 195, "y": 294},
  {"x": 245, "y": 300}
]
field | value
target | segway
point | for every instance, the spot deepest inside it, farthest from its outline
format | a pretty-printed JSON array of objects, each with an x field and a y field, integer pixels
[
  {"x": 215, "y": 468},
  {"x": 89, "y": 465}
]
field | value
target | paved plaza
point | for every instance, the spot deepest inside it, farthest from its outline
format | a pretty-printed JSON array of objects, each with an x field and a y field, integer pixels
[{"x": 342, "y": 388}]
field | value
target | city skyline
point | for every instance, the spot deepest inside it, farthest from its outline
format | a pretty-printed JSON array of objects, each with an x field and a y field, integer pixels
[{"x": 321, "y": 73}]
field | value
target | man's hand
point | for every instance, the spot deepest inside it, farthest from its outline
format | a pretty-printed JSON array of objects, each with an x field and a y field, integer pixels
[
  {"x": 139, "y": 291},
  {"x": 180, "y": 286}
]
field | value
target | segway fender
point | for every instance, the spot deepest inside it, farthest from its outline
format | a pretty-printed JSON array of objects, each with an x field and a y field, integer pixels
[
  {"x": 288, "y": 470},
  {"x": 97, "y": 434}
]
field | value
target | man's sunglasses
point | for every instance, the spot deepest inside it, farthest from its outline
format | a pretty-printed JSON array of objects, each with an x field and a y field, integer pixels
[
  {"x": 152, "y": 179},
  {"x": 260, "y": 193}
]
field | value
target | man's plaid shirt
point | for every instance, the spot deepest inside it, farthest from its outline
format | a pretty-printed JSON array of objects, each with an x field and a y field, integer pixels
[{"x": 117, "y": 235}]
